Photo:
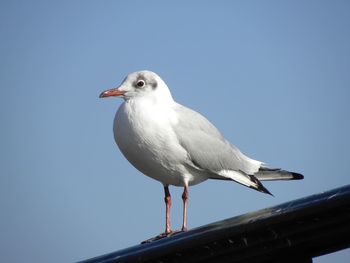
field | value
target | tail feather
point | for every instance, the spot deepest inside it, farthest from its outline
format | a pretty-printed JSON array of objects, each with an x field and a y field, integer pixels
[
  {"x": 272, "y": 174},
  {"x": 242, "y": 178},
  {"x": 253, "y": 181}
]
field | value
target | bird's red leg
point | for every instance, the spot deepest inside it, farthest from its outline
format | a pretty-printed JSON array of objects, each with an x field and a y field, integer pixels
[
  {"x": 167, "y": 200},
  {"x": 168, "y": 232},
  {"x": 185, "y": 203}
]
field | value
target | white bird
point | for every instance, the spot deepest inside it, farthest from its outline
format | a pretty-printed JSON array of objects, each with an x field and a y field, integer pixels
[{"x": 176, "y": 145}]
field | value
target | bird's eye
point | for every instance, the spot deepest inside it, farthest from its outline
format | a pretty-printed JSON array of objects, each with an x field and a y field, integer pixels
[{"x": 140, "y": 83}]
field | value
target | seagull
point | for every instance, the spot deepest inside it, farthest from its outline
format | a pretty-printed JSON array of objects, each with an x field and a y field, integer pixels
[{"x": 178, "y": 146}]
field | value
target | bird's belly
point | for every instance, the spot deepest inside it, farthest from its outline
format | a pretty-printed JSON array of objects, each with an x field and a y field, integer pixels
[{"x": 152, "y": 147}]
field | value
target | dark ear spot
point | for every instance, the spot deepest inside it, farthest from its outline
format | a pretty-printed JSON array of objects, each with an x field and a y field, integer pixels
[{"x": 154, "y": 84}]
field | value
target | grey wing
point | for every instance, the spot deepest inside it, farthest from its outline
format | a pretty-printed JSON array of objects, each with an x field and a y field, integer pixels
[{"x": 208, "y": 150}]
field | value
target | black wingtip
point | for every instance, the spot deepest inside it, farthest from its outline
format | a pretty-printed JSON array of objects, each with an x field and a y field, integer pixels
[
  {"x": 262, "y": 189},
  {"x": 297, "y": 176},
  {"x": 260, "y": 186},
  {"x": 265, "y": 191}
]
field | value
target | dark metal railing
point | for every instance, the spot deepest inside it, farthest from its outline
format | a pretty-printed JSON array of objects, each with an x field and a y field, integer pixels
[{"x": 295, "y": 231}]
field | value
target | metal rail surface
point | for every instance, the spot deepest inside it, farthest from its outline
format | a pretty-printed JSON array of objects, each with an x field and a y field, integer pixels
[{"x": 296, "y": 231}]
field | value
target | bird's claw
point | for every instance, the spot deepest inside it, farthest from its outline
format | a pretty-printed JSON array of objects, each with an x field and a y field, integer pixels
[{"x": 162, "y": 235}]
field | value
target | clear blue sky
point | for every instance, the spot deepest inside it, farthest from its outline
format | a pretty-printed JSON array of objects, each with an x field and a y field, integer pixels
[{"x": 273, "y": 76}]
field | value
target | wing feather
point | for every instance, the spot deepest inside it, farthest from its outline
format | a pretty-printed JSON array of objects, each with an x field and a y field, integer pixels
[{"x": 206, "y": 147}]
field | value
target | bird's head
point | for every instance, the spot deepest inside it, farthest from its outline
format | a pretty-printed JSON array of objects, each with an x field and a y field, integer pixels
[{"x": 140, "y": 84}]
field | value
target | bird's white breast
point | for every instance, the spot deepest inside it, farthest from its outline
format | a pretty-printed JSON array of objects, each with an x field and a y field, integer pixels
[{"x": 143, "y": 132}]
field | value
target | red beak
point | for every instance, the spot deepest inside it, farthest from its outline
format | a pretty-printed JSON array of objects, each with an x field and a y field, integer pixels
[{"x": 112, "y": 92}]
